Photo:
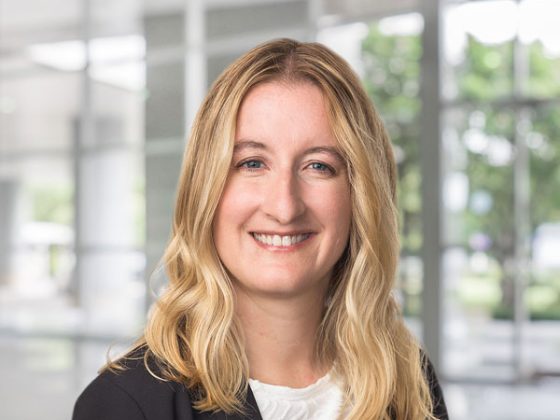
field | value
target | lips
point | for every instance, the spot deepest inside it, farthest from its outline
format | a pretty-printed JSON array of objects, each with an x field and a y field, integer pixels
[{"x": 280, "y": 240}]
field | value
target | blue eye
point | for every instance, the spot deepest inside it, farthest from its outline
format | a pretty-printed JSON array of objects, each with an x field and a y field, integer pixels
[
  {"x": 251, "y": 164},
  {"x": 321, "y": 167}
]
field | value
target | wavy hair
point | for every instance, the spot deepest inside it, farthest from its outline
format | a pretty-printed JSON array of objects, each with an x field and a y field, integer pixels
[{"x": 192, "y": 331}]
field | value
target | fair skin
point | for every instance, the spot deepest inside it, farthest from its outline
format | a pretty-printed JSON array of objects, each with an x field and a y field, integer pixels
[{"x": 281, "y": 225}]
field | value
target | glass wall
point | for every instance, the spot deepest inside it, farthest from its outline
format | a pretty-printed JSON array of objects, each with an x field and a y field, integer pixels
[
  {"x": 71, "y": 194},
  {"x": 501, "y": 210},
  {"x": 71, "y": 177},
  {"x": 78, "y": 126},
  {"x": 498, "y": 108}
]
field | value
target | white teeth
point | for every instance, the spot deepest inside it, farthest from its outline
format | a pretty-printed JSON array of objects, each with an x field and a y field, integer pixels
[{"x": 277, "y": 240}]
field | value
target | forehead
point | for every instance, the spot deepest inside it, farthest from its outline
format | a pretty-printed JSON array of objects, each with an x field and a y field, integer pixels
[{"x": 284, "y": 111}]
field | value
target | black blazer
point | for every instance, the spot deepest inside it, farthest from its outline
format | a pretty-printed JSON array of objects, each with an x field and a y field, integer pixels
[{"x": 134, "y": 394}]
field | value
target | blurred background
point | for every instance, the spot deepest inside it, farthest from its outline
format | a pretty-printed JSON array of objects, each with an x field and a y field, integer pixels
[{"x": 96, "y": 98}]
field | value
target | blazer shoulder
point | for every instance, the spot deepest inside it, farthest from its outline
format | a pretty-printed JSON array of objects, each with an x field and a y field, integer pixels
[
  {"x": 133, "y": 393},
  {"x": 104, "y": 399}
]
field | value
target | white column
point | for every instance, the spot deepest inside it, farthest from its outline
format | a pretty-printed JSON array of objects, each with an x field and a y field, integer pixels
[{"x": 430, "y": 161}]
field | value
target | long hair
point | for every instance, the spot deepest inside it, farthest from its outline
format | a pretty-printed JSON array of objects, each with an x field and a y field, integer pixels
[{"x": 192, "y": 331}]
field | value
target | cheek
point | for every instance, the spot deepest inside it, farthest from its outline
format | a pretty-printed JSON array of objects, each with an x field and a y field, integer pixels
[
  {"x": 235, "y": 206},
  {"x": 335, "y": 208}
]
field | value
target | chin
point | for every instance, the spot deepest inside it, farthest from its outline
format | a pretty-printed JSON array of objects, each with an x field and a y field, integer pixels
[{"x": 279, "y": 286}]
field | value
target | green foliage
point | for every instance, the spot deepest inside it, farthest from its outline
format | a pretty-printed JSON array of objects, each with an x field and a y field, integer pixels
[
  {"x": 392, "y": 72},
  {"x": 486, "y": 72},
  {"x": 545, "y": 165},
  {"x": 544, "y": 72}
]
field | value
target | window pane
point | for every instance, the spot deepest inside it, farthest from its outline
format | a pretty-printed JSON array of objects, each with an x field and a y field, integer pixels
[
  {"x": 542, "y": 295},
  {"x": 37, "y": 238},
  {"x": 478, "y": 49},
  {"x": 478, "y": 198},
  {"x": 391, "y": 64},
  {"x": 540, "y": 34}
]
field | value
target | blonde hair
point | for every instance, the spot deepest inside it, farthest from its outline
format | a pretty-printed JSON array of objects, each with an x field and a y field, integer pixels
[{"x": 192, "y": 332}]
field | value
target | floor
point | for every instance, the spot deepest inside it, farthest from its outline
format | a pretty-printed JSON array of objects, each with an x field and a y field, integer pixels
[{"x": 45, "y": 375}]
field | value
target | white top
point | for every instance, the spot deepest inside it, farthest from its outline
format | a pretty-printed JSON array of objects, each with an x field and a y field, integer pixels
[{"x": 321, "y": 400}]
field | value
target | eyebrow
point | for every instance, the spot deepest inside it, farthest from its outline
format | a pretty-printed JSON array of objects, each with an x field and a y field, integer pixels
[
  {"x": 248, "y": 144},
  {"x": 251, "y": 144},
  {"x": 326, "y": 149}
]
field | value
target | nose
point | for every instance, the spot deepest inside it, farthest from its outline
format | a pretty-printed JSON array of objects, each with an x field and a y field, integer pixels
[{"x": 283, "y": 200}]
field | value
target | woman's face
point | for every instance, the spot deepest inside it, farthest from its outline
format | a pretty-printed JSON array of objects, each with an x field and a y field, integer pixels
[{"x": 284, "y": 218}]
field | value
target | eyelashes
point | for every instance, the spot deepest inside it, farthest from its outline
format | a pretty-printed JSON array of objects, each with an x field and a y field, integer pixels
[
  {"x": 322, "y": 167},
  {"x": 255, "y": 165},
  {"x": 251, "y": 165}
]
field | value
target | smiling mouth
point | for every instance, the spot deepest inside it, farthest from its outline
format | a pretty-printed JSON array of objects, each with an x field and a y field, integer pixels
[{"x": 280, "y": 240}]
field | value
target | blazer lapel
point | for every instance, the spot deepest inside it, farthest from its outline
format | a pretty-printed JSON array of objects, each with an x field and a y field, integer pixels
[{"x": 251, "y": 406}]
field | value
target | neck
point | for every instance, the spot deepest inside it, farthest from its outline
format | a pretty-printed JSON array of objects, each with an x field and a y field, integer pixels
[{"x": 280, "y": 337}]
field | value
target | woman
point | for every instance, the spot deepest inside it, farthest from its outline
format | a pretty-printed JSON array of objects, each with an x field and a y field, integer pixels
[{"x": 281, "y": 261}]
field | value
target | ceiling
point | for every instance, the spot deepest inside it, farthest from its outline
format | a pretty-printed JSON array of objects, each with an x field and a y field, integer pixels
[{"x": 24, "y": 21}]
